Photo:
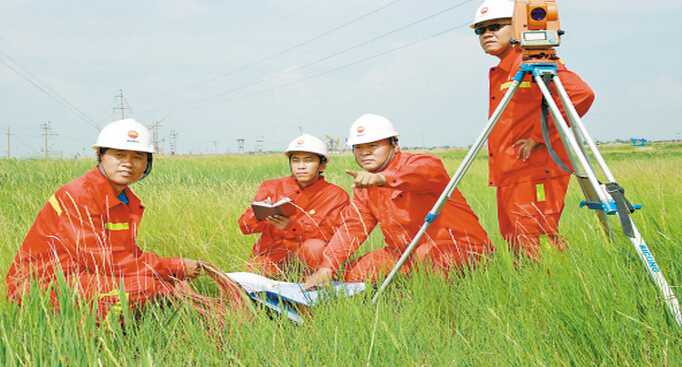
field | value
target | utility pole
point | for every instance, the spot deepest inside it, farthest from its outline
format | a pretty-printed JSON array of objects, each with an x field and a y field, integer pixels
[
  {"x": 215, "y": 143},
  {"x": 155, "y": 134},
  {"x": 8, "y": 143},
  {"x": 47, "y": 132},
  {"x": 300, "y": 127},
  {"x": 122, "y": 108}
]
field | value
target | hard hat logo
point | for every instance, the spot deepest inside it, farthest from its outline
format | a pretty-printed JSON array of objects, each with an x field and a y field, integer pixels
[
  {"x": 300, "y": 142},
  {"x": 133, "y": 134},
  {"x": 361, "y": 129},
  {"x": 484, "y": 10}
]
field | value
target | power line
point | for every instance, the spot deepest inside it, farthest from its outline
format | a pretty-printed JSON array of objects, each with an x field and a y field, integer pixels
[
  {"x": 32, "y": 149},
  {"x": 317, "y": 61},
  {"x": 329, "y": 71},
  {"x": 61, "y": 99},
  {"x": 242, "y": 40},
  {"x": 282, "y": 52}
]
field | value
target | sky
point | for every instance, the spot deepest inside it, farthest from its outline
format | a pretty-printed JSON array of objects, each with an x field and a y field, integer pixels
[{"x": 210, "y": 73}]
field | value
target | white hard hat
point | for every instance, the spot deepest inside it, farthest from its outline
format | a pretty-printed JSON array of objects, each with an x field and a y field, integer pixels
[
  {"x": 369, "y": 128},
  {"x": 493, "y": 9},
  {"x": 125, "y": 134},
  {"x": 307, "y": 143}
]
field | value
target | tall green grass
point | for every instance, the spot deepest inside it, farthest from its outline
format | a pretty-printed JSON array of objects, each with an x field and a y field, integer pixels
[{"x": 590, "y": 305}]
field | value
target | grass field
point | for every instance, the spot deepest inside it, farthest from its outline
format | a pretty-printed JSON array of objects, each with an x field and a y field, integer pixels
[{"x": 598, "y": 306}]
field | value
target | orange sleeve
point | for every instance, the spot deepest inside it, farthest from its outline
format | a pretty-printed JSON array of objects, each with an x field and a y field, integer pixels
[
  {"x": 104, "y": 244},
  {"x": 357, "y": 222},
  {"x": 248, "y": 223},
  {"x": 421, "y": 173}
]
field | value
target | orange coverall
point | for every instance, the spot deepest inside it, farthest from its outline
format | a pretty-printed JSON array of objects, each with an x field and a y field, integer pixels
[
  {"x": 414, "y": 183},
  {"x": 319, "y": 206},
  {"x": 88, "y": 234},
  {"x": 530, "y": 194}
]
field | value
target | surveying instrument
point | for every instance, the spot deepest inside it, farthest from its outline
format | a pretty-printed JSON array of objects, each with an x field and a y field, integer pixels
[{"x": 536, "y": 30}]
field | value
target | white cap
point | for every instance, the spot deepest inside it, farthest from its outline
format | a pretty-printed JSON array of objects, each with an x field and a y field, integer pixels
[
  {"x": 369, "y": 128},
  {"x": 307, "y": 143},
  {"x": 125, "y": 134},
  {"x": 493, "y": 9}
]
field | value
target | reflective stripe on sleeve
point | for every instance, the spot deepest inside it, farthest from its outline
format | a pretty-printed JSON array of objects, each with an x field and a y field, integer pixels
[
  {"x": 508, "y": 84},
  {"x": 55, "y": 205},
  {"x": 116, "y": 226}
]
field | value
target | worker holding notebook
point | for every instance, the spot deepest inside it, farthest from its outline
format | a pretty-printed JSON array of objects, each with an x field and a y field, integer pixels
[{"x": 294, "y": 236}]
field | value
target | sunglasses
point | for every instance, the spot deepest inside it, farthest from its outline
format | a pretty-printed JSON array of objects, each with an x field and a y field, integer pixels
[{"x": 493, "y": 28}]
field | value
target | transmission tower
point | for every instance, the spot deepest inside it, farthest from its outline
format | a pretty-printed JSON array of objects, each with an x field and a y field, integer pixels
[
  {"x": 174, "y": 142},
  {"x": 240, "y": 146},
  {"x": 259, "y": 145},
  {"x": 8, "y": 134}
]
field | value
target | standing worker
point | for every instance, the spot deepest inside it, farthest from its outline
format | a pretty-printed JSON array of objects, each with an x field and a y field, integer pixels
[
  {"x": 303, "y": 236},
  {"x": 86, "y": 232},
  {"x": 531, "y": 186},
  {"x": 396, "y": 191}
]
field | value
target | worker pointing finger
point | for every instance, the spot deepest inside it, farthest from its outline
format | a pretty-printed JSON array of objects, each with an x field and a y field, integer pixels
[
  {"x": 364, "y": 179},
  {"x": 394, "y": 190}
]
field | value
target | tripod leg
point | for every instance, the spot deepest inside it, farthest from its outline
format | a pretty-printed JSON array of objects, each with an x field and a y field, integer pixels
[
  {"x": 636, "y": 239},
  {"x": 578, "y": 124},
  {"x": 587, "y": 189},
  {"x": 454, "y": 181},
  {"x": 588, "y": 192}
]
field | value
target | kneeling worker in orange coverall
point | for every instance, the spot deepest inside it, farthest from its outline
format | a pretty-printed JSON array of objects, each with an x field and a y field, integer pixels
[
  {"x": 86, "y": 232},
  {"x": 303, "y": 236},
  {"x": 396, "y": 190}
]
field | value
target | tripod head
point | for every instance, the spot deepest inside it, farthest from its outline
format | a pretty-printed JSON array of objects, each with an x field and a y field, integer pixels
[{"x": 536, "y": 29}]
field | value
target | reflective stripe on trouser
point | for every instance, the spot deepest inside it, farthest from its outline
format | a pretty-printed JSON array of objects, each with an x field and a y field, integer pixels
[{"x": 529, "y": 210}]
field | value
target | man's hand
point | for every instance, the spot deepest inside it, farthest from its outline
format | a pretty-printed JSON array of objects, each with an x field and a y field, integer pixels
[
  {"x": 192, "y": 268},
  {"x": 364, "y": 179},
  {"x": 279, "y": 221},
  {"x": 527, "y": 146},
  {"x": 322, "y": 276}
]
